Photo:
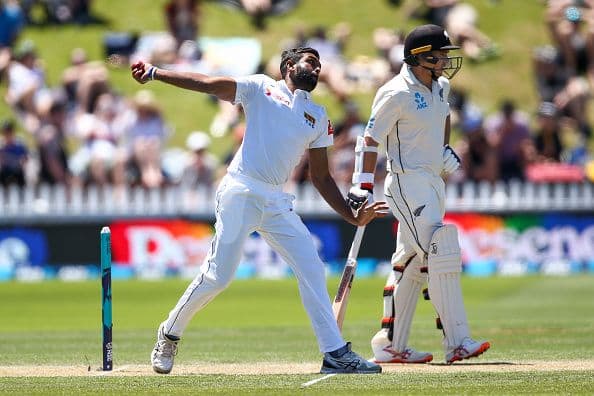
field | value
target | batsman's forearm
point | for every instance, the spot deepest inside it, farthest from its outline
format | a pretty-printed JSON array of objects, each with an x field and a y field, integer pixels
[
  {"x": 369, "y": 162},
  {"x": 331, "y": 194},
  {"x": 370, "y": 157}
]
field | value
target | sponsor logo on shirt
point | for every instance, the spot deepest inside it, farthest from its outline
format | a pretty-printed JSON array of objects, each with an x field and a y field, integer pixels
[
  {"x": 309, "y": 119},
  {"x": 433, "y": 248},
  {"x": 441, "y": 94},
  {"x": 371, "y": 123},
  {"x": 277, "y": 96},
  {"x": 420, "y": 100}
]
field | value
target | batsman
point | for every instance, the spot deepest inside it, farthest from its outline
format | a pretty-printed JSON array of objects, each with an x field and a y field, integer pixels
[{"x": 410, "y": 117}]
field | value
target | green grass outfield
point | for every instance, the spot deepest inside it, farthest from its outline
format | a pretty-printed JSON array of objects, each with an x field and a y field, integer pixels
[{"x": 255, "y": 338}]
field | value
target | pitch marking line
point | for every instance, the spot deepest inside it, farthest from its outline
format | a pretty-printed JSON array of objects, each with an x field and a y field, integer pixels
[{"x": 315, "y": 381}]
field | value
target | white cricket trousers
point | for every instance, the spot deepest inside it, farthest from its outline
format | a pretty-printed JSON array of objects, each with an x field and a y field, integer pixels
[
  {"x": 245, "y": 205},
  {"x": 418, "y": 201}
]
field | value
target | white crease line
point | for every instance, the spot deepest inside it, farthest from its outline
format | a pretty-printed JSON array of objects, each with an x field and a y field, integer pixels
[{"x": 315, "y": 381}]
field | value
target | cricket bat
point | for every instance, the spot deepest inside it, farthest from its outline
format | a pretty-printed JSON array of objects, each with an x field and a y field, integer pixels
[{"x": 346, "y": 280}]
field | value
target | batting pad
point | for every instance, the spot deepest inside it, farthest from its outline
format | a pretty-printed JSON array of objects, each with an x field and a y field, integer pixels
[
  {"x": 389, "y": 295},
  {"x": 406, "y": 295},
  {"x": 445, "y": 266}
]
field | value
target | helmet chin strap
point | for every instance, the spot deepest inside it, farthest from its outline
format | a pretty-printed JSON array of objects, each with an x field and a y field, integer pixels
[{"x": 433, "y": 75}]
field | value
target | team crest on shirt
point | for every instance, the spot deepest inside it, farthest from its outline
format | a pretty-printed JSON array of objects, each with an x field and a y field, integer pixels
[
  {"x": 420, "y": 101},
  {"x": 309, "y": 119},
  {"x": 277, "y": 96}
]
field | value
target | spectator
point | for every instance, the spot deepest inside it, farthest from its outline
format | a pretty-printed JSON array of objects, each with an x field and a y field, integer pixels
[
  {"x": 259, "y": 10},
  {"x": 5, "y": 59},
  {"x": 13, "y": 156},
  {"x": 51, "y": 146},
  {"x": 146, "y": 119},
  {"x": 390, "y": 48},
  {"x": 84, "y": 81},
  {"x": 462, "y": 109},
  {"x": 460, "y": 19},
  {"x": 570, "y": 94},
  {"x": 143, "y": 167},
  {"x": 571, "y": 25},
  {"x": 549, "y": 74},
  {"x": 72, "y": 74},
  {"x": 547, "y": 139},
  {"x": 349, "y": 127},
  {"x": 433, "y": 11},
  {"x": 12, "y": 21},
  {"x": 163, "y": 49},
  {"x": 479, "y": 157},
  {"x": 145, "y": 133},
  {"x": 461, "y": 23},
  {"x": 99, "y": 135},
  {"x": 26, "y": 79},
  {"x": 548, "y": 160},
  {"x": 60, "y": 11},
  {"x": 342, "y": 161},
  {"x": 507, "y": 131},
  {"x": 573, "y": 100},
  {"x": 201, "y": 170},
  {"x": 183, "y": 19},
  {"x": 334, "y": 65}
]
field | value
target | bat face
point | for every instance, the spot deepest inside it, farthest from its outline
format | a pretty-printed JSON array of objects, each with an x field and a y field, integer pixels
[
  {"x": 346, "y": 280},
  {"x": 344, "y": 291}
]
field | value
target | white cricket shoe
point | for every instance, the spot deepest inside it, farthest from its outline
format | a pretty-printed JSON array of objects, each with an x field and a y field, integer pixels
[
  {"x": 384, "y": 353},
  {"x": 164, "y": 352},
  {"x": 468, "y": 349}
]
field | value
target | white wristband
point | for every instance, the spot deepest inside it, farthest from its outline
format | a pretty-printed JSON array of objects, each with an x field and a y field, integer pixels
[{"x": 362, "y": 178}]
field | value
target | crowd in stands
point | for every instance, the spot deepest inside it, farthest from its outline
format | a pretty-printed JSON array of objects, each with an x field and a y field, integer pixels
[{"x": 123, "y": 141}]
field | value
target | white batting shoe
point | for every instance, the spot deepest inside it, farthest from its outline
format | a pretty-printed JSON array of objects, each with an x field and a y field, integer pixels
[
  {"x": 384, "y": 353},
  {"x": 468, "y": 349},
  {"x": 164, "y": 352}
]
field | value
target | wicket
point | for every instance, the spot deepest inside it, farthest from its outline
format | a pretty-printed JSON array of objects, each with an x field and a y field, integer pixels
[{"x": 106, "y": 318}]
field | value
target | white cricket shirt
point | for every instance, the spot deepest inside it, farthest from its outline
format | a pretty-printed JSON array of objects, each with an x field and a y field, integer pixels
[
  {"x": 409, "y": 120},
  {"x": 280, "y": 126}
]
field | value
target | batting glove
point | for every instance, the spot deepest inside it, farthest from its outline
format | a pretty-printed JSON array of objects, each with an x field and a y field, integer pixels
[
  {"x": 357, "y": 197},
  {"x": 451, "y": 161}
]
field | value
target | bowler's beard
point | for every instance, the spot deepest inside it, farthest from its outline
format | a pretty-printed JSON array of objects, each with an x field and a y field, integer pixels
[{"x": 304, "y": 79}]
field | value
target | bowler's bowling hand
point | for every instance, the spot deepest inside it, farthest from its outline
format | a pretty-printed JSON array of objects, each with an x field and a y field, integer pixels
[{"x": 371, "y": 211}]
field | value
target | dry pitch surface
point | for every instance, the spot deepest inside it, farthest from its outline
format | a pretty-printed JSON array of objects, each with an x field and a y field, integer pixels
[{"x": 293, "y": 368}]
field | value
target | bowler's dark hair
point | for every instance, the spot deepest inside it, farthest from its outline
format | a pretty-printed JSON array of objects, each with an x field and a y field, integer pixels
[{"x": 294, "y": 54}]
